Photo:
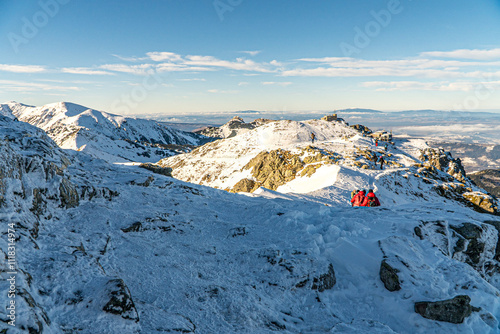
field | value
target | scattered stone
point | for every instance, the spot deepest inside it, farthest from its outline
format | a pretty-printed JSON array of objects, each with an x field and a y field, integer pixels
[
  {"x": 325, "y": 281},
  {"x": 453, "y": 310},
  {"x": 389, "y": 276}
]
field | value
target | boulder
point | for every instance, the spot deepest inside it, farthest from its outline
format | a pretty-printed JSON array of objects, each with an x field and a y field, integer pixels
[
  {"x": 325, "y": 281},
  {"x": 245, "y": 185},
  {"x": 453, "y": 310},
  {"x": 120, "y": 301},
  {"x": 389, "y": 276}
]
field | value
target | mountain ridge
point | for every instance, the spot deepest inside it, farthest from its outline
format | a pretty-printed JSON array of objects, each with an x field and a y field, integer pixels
[{"x": 103, "y": 135}]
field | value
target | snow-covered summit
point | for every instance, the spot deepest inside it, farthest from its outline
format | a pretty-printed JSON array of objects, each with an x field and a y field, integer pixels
[
  {"x": 281, "y": 156},
  {"x": 103, "y": 135}
]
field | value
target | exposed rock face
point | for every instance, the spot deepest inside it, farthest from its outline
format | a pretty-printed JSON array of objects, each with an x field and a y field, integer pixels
[
  {"x": 361, "y": 128},
  {"x": 275, "y": 168},
  {"x": 325, "y": 281},
  {"x": 245, "y": 185},
  {"x": 483, "y": 201},
  {"x": 167, "y": 171},
  {"x": 444, "y": 161},
  {"x": 68, "y": 193},
  {"x": 478, "y": 245},
  {"x": 453, "y": 310},
  {"x": 389, "y": 276},
  {"x": 120, "y": 301}
]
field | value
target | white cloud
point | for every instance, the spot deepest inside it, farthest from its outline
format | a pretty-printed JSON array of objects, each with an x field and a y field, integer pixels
[
  {"x": 142, "y": 69},
  {"x": 84, "y": 70},
  {"x": 218, "y": 91},
  {"x": 129, "y": 59},
  {"x": 193, "y": 79},
  {"x": 475, "y": 54},
  {"x": 21, "y": 86},
  {"x": 164, "y": 56},
  {"x": 22, "y": 68},
  {"x": 251, "y": 53},
  {"x": 283, "y": 84},
  {"x": 243, "y": 83}
]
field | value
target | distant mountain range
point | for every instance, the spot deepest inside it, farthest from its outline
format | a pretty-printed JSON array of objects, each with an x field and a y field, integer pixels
[{"x": 103, "y": 135}]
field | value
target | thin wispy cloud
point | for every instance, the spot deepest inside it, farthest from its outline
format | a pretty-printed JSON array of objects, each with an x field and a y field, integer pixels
[
  {"x": 274, "y": 83},
  {"x": 251, "y": 53},
  {"x": 22, "y": 68},
  {"x": 193, "y": 79},
  {"x": 22, "y": 86},
  {"x": 475, "y": 54},
  {"x": 129, "y": 59},
  {"x": 84, "y": 70}
]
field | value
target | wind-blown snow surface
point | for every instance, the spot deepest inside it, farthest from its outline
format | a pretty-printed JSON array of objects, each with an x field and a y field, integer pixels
[
  {"x": 106, "y": 136},
  {"x": 200, "y": 260}
]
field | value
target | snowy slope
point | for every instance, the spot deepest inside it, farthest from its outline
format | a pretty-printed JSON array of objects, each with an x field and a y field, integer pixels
[
  {"x": 113, "y": 249},
  {"x": 339, "y": 161},
  {"x": 110, "y": 137}
]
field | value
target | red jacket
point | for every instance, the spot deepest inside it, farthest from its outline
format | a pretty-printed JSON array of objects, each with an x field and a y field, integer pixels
[
  {"x": 358, "y": 199},
  {"x": 368, "y": 198}
]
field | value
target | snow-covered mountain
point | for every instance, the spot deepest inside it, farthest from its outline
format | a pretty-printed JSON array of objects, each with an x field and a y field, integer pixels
[
  {"x": 232, "y": 128},
  {"x": 102, "y": 248},
  {"x": 106, "y": 136},
  {"x": 280, "y": 156}
]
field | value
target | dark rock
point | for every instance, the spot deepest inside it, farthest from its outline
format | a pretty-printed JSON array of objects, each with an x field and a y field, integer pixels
[
  {"x": 325, "y": 281},
  {"x": 120, "y": 301},
  {"x": 167, "y": 171},
  {"x": 69, "y": 195},
  {"x": 389, "y": 276},
  {"x": 135, "y": 227},
  {"x": 453, "y": 310},
  {"x": 475, "y": 247}
]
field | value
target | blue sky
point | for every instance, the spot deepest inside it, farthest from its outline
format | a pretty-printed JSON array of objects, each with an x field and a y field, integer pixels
[{"x": 190, "y": 56}]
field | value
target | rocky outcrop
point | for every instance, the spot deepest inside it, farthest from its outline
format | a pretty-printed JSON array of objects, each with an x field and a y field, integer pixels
[
  {"x": 389, "y": 276},
  {"x": 120, "y": 301},
  {"x": 167, "y": 171},
  {"x": 275, "y": 168},
  {"x": 361, "y": 128},
  {"x": 68, "y": 194},
  {"x": 245, "y": 185},
  {"x": 483, "y": 201},
  {"x": 453, "y": 310},
  {"x": 477, "y": 245},
  {"x": 443, "y": 161},
  {"x": 479, "y": 201},
  {"x": 325, "y": 281}
]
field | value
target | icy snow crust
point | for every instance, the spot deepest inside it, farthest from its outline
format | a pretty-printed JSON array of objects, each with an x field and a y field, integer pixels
[
  {"x": 201, "y": 260},
  {"x": 106, "y": 136}
]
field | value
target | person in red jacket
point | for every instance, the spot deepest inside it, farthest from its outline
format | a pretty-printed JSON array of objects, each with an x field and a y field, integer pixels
[
  {"x": 370, "y": 199},
  {"x": 358, "y": 198}
]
